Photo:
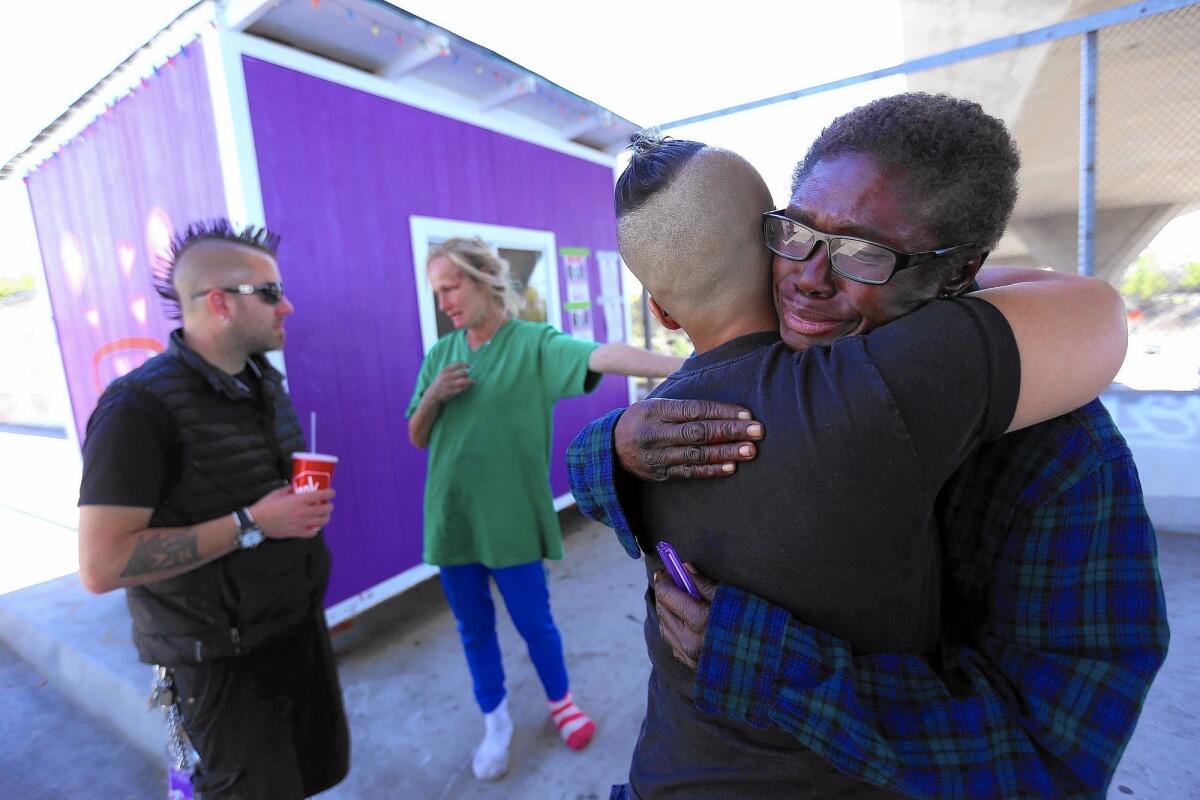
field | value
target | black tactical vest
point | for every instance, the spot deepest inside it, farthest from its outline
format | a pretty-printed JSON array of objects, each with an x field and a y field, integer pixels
[{"x": 227, "y": 449}]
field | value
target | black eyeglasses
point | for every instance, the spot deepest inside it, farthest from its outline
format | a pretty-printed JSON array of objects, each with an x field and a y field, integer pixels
[
  {"x": 857, "y": 259},
  {"x": 271, "y": 292}
]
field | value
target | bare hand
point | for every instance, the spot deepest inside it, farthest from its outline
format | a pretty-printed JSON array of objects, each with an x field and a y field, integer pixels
[
  {"x": 451, "y": 382},
  {"x": 660, "y": 440},
  {"x": 285, "y": 515},
  {"x": 682, "y": 619}
]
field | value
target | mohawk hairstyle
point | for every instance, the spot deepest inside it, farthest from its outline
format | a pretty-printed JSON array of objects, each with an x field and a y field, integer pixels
[
  {"x": 655, "y": 162},
  {"x": 217, "y": 229}
]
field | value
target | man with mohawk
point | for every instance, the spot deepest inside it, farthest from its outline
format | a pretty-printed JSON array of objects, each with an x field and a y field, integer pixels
[{"x": 185, "y": 504}]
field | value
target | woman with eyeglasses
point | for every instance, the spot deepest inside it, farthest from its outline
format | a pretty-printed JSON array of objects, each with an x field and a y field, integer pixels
[
  {"x": 483, "y": 406},
  {"x": 936, "y": 577}
]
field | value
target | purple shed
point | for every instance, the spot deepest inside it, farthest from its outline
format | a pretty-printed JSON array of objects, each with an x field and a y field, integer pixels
[{"x": 363, "y": 135}]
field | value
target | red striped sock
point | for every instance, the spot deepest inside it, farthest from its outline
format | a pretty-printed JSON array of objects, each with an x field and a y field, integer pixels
[{"x": 575, "y": 727}]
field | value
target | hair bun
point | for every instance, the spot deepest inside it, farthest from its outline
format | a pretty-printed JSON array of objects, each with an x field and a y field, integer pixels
[{"x": 646, "y": 141}]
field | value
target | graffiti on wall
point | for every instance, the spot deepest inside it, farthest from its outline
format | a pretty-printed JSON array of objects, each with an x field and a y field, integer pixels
[
  {"x": 120, "y": 356},
  {"x": 1169, "y": 419}
]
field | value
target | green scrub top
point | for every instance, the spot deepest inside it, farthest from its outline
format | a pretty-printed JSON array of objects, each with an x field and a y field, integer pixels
[{"x": 487, "y": 492}]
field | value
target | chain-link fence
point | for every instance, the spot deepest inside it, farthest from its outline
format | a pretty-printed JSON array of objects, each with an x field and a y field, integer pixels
[{"x": 1144, "y": 217}]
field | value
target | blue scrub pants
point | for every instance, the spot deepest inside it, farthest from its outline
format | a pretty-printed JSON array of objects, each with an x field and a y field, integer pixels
[{"x": 528, "y": 600}]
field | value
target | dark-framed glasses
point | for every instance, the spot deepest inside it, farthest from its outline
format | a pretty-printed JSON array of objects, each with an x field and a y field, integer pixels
[
  {"x": 270, "y": 292},
  {"x": 857, "y": 259}
]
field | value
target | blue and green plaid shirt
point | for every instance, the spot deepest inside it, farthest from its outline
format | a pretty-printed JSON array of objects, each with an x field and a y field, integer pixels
[{"x": 1054, "y": 628}]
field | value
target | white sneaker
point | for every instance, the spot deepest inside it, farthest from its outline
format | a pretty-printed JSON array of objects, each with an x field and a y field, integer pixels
[{"x": 491, "y": 757}]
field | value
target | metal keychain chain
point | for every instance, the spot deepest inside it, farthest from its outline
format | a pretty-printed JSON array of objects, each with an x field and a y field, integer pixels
[{"x": 163, "y": 694}]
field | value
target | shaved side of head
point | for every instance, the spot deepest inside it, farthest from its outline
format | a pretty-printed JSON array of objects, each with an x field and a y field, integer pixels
[
  {"x": 212, "y": 264},
  {"x": 176, "y": 282},
  {"x": 696, "y": 244}
]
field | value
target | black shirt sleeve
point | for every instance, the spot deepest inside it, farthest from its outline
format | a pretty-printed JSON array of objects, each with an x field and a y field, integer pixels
[
  {"x": 125, "y": 452},
  {"x": 954, "y": 373}
]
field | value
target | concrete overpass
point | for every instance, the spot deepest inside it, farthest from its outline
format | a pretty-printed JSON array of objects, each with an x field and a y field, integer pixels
[{"x": 1148, "y": 118}]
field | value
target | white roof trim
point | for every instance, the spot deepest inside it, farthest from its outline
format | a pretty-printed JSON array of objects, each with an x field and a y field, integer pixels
[
  {"x": 123, "y": 81},
  {"x": 417, "y": 94},
  {"x": 507, "y": 110}
]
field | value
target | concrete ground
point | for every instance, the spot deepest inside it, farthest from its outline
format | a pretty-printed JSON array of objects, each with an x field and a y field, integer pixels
[
  {"x": 414, "y": 723},
  {"x": 412, "y": 718},
  {"x": 1162, "y": 760},
  {"x": 39, "y": 486},
  {"x": 50, "y": 748},
  {"x": 73, "y": 718}
]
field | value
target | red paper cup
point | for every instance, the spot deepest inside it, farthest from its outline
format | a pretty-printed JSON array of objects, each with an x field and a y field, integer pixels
[{"x": 312, "y": 472}]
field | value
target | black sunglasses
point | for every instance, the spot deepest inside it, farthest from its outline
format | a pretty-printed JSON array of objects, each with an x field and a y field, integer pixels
[
  {"x": 851, "y": 257},
  {"x": 271, "y": 292}
]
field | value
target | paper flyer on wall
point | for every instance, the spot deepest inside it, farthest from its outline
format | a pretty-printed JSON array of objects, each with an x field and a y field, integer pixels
[
  {"x": 610, "y": 298},
  {"x": 579, "y": 294}
]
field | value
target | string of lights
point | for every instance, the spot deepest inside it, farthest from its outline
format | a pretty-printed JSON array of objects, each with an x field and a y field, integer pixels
[
  {"x": 447, "y": 51},
  {"x": 436, "y": 46}
]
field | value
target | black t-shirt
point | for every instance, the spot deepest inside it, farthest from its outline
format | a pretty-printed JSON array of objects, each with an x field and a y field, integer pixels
[
  {"x": 833, "y": 521},
  {"x": 127, "y": 453},
  {"x": 129, "y": 456}
]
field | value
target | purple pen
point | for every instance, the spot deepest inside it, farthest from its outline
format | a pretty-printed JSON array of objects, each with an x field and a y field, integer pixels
[{"x": 679, "y": 574}]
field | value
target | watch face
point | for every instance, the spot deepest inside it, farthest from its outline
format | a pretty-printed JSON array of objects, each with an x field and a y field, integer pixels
[{"x": 251, "y": 537}]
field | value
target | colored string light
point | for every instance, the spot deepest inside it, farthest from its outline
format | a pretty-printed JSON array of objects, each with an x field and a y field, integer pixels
[{"x": 376, "y": 29}]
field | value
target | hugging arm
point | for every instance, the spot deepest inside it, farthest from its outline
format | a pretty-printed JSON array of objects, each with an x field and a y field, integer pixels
[
  {"x": 1039, "y": 704},
  {"x": 595, "y": 484},
  {"x": 1070, "y": 332}
]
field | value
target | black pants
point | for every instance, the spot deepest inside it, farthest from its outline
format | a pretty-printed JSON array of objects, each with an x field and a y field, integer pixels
[{"x": 270, "y": 724}]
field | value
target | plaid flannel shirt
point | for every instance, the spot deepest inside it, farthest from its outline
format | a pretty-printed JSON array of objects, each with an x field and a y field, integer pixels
[{"x": 1054, "y": 628}]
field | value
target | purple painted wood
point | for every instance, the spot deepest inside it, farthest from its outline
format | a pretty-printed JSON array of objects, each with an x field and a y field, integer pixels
[
  {"x": 342, "y": 171},
  {"x": 105, "y": 207}
]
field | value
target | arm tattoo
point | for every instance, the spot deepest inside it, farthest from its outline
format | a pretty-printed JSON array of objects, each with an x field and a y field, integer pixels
[{"x": 162, "y": 551}]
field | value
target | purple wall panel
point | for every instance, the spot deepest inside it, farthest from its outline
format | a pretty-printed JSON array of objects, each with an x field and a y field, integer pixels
[
  {"x": 342, "y": 171},
  {"x": 106, "y": 205}
]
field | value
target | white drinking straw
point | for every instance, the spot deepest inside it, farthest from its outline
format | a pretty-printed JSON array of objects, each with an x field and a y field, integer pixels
[{"x": 312, "y": 432}]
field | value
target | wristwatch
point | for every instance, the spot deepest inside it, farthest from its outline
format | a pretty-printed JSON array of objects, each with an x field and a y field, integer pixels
[{"x": 250, "y": 533}]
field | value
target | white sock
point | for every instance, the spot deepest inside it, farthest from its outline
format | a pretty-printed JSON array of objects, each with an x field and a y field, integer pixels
[{"x": 491, "y": 756}]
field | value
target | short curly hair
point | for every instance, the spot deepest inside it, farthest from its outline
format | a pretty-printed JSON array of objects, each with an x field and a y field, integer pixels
[{"x": 960, "y": 160}]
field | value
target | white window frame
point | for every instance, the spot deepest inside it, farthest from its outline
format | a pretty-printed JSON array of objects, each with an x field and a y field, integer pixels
[{"x": 423, "y": 229}]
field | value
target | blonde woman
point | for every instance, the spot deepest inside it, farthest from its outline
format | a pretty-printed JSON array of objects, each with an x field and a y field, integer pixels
[{"x": 482, "y": 405}]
